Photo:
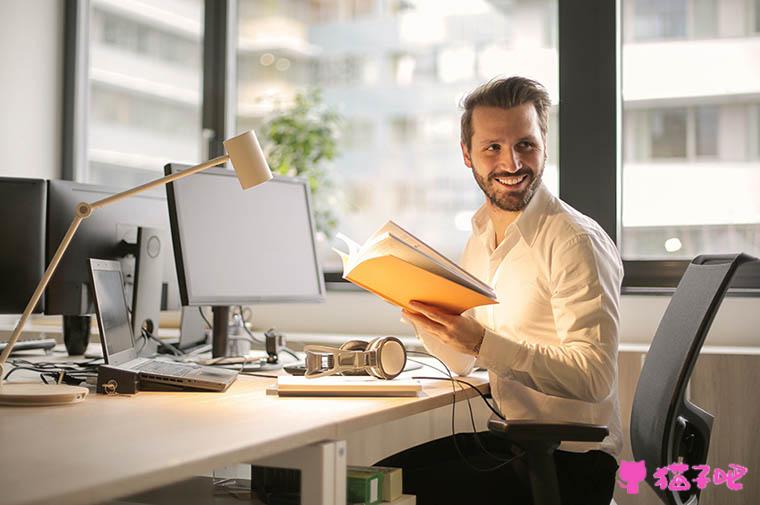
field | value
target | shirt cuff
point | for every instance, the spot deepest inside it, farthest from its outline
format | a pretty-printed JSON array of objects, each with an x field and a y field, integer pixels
[{"x": 498, "y": 353}]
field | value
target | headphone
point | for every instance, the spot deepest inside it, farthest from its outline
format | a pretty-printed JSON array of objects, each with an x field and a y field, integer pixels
[{"x": 381, "y": 357}]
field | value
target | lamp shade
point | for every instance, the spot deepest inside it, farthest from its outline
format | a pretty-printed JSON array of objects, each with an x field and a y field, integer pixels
[{"x": 247, "y": 159}]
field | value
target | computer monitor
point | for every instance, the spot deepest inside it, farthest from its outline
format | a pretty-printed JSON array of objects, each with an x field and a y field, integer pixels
[
  {"x": 109, "y": 233},
  {"x": 106, "y": 234},
  {"x": 22, "y": 257},
  {"x": 234, "y": 247}
]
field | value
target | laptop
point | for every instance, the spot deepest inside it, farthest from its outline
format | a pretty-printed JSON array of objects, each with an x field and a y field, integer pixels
[{"x": 120, "y": 349}]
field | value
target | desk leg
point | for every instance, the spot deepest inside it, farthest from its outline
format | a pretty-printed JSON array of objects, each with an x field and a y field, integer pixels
[{"x": 323, "y": 471}]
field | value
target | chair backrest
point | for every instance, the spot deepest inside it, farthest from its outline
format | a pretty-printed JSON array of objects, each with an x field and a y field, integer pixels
[{"x": 664, "y": 425}]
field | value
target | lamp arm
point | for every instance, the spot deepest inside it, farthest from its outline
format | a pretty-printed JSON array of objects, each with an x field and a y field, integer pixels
[
  {"x": 83, "y": 211},
  {"x": 160, "y": 182}
]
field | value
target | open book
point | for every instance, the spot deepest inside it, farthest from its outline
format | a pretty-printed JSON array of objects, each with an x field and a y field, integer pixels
[{"x": 399, "y": 268}]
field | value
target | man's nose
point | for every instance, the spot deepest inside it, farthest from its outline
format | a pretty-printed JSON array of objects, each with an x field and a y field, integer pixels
[{"x": 510, "y": 161}]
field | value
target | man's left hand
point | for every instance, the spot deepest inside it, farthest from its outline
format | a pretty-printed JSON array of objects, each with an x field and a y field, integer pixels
[{"x": 462, "y": 333}]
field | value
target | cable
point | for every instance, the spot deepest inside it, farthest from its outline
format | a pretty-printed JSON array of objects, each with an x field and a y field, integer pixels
[
  {"x": 69, "y": 376},
  {"x": 454, "y": 382},
  {"x": 291, "y": 352},
  {"x": 200, "y": 310},
  {"x": 451, "y": 378},
  {"x": 245, "y": 326},
  {"x": 255, "y": 374},
  {"x": 149, "y": 336},
  {"x": 469, "y": 406}
]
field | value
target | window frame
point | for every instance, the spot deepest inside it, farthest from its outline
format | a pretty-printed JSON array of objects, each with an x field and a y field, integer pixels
[
  {"x": 219, "y": 67},
  {"x": 590, "y": 51}
]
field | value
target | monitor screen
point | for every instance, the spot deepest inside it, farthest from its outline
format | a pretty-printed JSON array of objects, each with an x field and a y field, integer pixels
[
  {"x": 113, "y": 317},
  {"x": 22, "y": 256},
  {"x": 235, "y": 247}
]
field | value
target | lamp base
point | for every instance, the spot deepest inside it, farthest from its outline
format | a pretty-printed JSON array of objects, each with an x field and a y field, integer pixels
[{"x": 23, "y": 394}]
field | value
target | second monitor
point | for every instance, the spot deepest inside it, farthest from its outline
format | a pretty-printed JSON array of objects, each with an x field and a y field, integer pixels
[{"x": 235, "y": 247}]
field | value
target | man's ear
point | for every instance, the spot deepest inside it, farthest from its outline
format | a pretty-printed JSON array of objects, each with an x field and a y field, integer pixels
[{"x": 466, "y": 155}]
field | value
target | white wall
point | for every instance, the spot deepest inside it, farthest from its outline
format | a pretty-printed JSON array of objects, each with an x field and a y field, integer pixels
[
  {"x": 31, "y": 89},
  {"x": 356, "y": 313}
]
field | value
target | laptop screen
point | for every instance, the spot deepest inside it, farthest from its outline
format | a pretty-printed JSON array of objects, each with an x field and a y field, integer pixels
[{"x": 112, "y": 309}]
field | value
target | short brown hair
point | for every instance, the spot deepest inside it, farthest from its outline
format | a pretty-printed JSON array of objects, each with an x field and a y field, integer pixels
[{"x": 505, "y": 93}]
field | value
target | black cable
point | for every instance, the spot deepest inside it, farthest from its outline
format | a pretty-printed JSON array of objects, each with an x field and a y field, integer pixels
[
  {"x": 255, "y": 374},
  {"x": 208, "y": 323},
  {"x": 469, "y": 408},
  {"x": 57, "y": 375},
  {"x": 503, "y": 462},
  {"x": 149, "y": 336},
  {"x": 493, "y": 409},
  {"x": 291, "y": 352},
  {"x": 245, "y": 327}
]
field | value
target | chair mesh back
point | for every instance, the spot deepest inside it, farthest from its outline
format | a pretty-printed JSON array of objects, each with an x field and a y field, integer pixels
[{"x": 661, "y": 421}]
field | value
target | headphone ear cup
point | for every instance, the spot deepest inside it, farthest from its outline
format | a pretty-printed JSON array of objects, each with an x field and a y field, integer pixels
[
  {"x": 391, "y": 357},
  {"x": 374, "y": 344},
  {"x": 355, "y": 345}
]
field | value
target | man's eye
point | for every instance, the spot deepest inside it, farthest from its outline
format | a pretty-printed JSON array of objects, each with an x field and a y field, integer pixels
[
  {"x": 525, "y": 145},
  {"x": 493, "y": 147}
]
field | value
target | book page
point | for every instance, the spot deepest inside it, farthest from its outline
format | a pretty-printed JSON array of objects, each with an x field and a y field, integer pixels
[
  {"x": 391, "y": 245},
  {"x": 405, "y": 236},
  {"x": 353, "y": 247}
]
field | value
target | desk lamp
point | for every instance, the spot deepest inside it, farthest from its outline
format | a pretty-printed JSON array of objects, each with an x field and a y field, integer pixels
[{"x": 251, "y": 169}]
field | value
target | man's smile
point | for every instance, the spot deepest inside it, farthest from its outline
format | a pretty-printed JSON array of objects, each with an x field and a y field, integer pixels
[{"x": 513, "y": 182}]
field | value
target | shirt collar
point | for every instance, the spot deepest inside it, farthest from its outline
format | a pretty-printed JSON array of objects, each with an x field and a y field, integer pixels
[
  {"x": 528, "y": 222},
  {"x": 534, "y": 214}
]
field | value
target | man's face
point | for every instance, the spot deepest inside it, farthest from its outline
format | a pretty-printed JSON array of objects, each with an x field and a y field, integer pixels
[{"x": 507, "y": 154}]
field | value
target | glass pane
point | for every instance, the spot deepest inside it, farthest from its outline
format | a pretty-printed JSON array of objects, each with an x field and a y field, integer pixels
[
  {"x": 395, "y": 72},
  {"x": 707, "y": 130},
  {"x": 705, "y": 18},
  {"x": 660, "y": 19},
  {"x": 690, "y": 135},
  {"x": 145, "y": 88},
  {"x": 667, "y": 131}
]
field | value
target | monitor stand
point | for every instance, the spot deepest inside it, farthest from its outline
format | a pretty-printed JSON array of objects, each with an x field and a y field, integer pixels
[
  {"x": 148, "y": 287},
  {"x": 76, "y": 334},
  {"x": 219, "y": 336}
]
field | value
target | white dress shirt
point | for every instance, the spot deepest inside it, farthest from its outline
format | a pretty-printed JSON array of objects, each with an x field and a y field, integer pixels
[{"x": 551, "y": 342}]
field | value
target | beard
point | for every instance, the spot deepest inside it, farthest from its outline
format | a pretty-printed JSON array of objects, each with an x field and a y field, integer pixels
[{"x": 504, "y": 198}]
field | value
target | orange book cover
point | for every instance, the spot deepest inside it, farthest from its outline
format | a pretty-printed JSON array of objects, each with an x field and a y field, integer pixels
[{"x": 401, "y": 270}]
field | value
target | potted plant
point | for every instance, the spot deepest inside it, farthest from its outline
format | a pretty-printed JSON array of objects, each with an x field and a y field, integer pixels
[{"x": 299, "y": 141}]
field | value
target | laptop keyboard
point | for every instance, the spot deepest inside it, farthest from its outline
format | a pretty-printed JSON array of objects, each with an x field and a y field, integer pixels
[{"x": 164, "y": 368}]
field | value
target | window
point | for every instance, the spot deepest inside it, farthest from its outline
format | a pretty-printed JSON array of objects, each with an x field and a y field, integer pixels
[
  {"x": 660, "y": 19},
  {"x": 689, "y": 177},
  {"x": 395, "y": 71},
  {"x": 145, "y": 89},
  {"x": 667, "y": 133}
]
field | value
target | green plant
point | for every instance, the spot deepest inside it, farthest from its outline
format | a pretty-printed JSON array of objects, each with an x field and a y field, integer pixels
[{"x": 299, "y": 141}]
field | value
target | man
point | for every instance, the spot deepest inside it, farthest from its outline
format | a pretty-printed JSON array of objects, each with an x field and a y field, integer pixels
[{"x": 550, "y": 344}]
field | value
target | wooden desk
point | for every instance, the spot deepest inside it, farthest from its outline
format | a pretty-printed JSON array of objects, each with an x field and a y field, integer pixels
[{"x": 113, "y": 446}]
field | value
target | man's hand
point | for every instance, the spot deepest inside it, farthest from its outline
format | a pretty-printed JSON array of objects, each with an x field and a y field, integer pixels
[{"x": 463, "y": 333}]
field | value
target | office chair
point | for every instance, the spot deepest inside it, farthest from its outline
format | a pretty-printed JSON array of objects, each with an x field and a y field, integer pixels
[{"x": 665, "y": 426}]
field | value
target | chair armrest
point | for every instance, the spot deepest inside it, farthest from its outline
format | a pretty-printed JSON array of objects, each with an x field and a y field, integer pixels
[{"x": 528, "y": 430}]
